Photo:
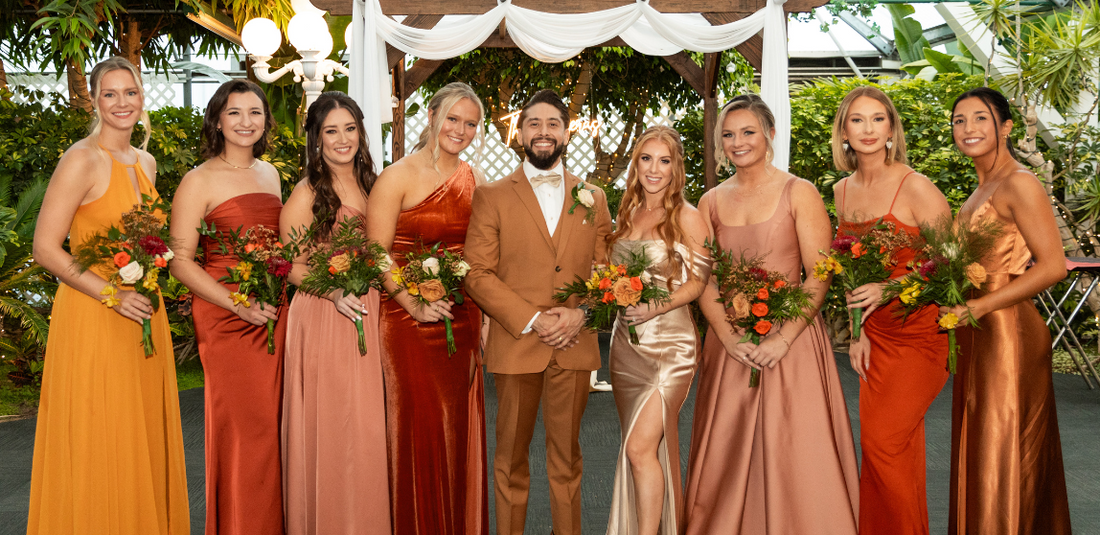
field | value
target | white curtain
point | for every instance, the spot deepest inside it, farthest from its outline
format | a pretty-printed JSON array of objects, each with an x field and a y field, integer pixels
[{"x": 556, "y": 37}]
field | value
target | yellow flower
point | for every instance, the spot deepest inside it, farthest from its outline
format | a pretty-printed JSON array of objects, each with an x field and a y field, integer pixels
[
  {"x": 395, "y": 274},
  {"x": 413, "y": 289},
  {"x": 949, "y": 321},
  {"x": 910, "y": 293},
  {"x": 109, "y": 292},
  {"x": 150, "y": 282},
  {"x": 837, "y": 268},
  {"x": 821, "y": 269},
  {"x": 244, "y": 269},
  {"x": 240, "y": 299}
]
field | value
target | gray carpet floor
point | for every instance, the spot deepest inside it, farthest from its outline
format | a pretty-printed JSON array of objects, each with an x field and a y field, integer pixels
[{"x": 1078, "y": 418}]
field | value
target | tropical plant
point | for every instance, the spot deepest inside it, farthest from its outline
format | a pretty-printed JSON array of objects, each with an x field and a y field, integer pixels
[
  {"x": 916, "y": 53},
  {"x": 25, "y": 287}
]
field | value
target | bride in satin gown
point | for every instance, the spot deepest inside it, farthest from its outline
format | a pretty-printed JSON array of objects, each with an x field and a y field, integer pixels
[{"x": 651, "y": 379}]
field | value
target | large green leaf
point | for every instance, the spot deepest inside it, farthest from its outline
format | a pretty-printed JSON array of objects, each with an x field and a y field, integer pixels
[{"x": 908, "y": 33}]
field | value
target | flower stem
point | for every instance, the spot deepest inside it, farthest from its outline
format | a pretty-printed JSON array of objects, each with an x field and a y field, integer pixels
[
  {"x": 857, "y": 321},
  {"x": 362, "y": 336},
  {"x": 633, "y": 334},
  {"x": 952, "y": 351},
  {"x": 451, "y": 348},
  {"x": 147, "y": 337},
  {"x": 270, "y": 337}
]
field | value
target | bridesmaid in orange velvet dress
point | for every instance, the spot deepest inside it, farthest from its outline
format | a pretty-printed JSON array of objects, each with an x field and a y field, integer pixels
[
  {"x": 243, "y": 383},
  {"x": 435, "y": 403},
  {"x": 334, "y": 427},
  {"x": 902, "y": 364},
  {"x": 1006, "y": 453},
  {"x": 777, "y": 459}
]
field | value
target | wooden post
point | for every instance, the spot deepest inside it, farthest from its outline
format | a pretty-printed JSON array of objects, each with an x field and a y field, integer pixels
[
  {"x": 397, "y": 132},
  {"x": 710, "y": 118}
]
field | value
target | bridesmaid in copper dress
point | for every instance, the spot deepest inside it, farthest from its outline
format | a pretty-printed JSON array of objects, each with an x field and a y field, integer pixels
[
  {"x": 651, "y": 379},
  {"x": 435, "y": 403},
  {"x": 334, "y": 428},
  {"x": 243, "y": 383},
  {"x": 902, "y": 364},
  {"x": 776, "y": 459},
  {"x": 1006, "y": 454}
]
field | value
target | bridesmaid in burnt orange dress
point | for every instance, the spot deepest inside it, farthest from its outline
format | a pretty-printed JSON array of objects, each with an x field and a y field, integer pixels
[
  {"x": 1006, "y": 454},
  {"x": 243, "y": 383},
  {"x": 334, "y": 423},
  {"x": 902, "y": 364},
  {"x": 435, "y": 403}
]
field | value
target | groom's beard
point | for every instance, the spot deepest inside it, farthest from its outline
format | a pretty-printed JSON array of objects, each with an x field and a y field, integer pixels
[{"x": 544, "y": 160}]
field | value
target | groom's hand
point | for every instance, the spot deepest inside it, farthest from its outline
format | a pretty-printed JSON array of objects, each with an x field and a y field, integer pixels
[{"x": 563, "y": 333}]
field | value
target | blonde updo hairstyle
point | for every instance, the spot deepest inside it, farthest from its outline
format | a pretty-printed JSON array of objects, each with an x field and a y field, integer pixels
[
  {"x": 763, "y": 113},
  {"x": 95, "y": 80},
  {"x": 668, "y": 228},
  {"x": 845, "y": 159},
  {"x": 438, "y": 108}
]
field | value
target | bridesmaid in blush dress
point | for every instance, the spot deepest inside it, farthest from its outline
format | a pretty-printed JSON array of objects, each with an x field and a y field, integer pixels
[
  {"x": 435, "y": 402},
  {"x": 902, "y": 362},
  {"x": 334, "y": 427},
  {"x": 777, "y": 459},
  {"x": 651, "y": 379},
  {"x": 1006, "y": 453},
  {"x": 243, "y": 384}
]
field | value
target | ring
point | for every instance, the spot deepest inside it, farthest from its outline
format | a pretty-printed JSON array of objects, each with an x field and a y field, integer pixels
[{"x": 559, "y": 339}]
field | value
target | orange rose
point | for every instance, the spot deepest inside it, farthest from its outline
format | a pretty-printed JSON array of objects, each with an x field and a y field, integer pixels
[
  {"x": 332, "y": 270},
  {"x": 122, "y": 258},
  {"x": 608, "y": 297},
  {"x": 636, "y": 283},
  {"x": 625, "y": 294},
  {"x": 882, "y": 250},
  {"x": 779, "y": 284},
  {"x": 250, "y": 247},
  {"x": 432, "y": 290},
  {"x": 762, "y": 327},
  {"x": 621, "y": 268},
  {"x": 160, "y": 262},
  {"x": 760, "y": 310},
  {"x": 858, "y": 250},
  {"x": 605, "y": 283},
  {"x": 762, "y": 294}
]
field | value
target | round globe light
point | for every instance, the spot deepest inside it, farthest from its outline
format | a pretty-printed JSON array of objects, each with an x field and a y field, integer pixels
[
  {"x": 324, "y": 43},
  {"x": 347, "y": 36},
  {"x": 261, "y": 37},
  {"x": 308, "y": 31}
]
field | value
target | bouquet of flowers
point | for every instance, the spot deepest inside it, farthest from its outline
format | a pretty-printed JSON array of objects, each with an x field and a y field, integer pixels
[
  {"x": 136, "y": 256},
  {"x": 431, "y": 275},
  {"x": 347, "y": 261},
  {"x": 263, "y": 264},
  {"x": 612, "y": 288},
  {"x": 947, "y": 268},
  {"x": 867, "y": 256},
  {"x": 760, "y": 299}
]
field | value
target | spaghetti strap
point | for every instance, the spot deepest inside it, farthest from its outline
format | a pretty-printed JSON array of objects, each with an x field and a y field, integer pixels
[
  {"x": 843, "y": 195},
  {"x": 714, "y": 209},
  {"x": 900, "y": 184}
]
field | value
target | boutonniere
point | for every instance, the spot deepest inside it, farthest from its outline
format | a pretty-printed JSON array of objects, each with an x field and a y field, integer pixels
[{"x": 582, "y": 196}]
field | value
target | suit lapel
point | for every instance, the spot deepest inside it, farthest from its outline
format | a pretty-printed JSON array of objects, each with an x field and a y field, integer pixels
[
  {"x": 567, "y": 223},
  {"x": 526, "y": 195}
]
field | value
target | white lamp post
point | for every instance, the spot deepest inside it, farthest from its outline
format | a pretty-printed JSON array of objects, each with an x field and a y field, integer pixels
[{"x": 308, "y": 32}]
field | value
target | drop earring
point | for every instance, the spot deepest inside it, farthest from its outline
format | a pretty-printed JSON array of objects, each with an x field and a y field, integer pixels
[
  {"x": 889, "y": 143},
  {"x": 846, "y": 146}
]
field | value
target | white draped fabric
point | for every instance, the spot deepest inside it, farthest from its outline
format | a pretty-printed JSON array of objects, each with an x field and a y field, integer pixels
[{"x": 556, "y": 37}]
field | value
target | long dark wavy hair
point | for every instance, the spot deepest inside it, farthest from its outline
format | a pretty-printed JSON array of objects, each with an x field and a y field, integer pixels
[
  {"x": 997, "y": 105},
  {"x": 325, "y": 200}
]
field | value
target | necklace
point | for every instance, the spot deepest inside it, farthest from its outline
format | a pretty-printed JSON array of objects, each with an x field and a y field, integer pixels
[
  {"x": 254, "y": 162},
  {"x": 648, "y": 209}
]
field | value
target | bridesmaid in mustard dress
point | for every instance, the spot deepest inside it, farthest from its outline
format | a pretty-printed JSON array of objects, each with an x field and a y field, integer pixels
[
  {"x": 334, "y": 422},
  {"x": 243, "y": 386},
  {"x": 651, "y": 379},
  {"x": 1006, "y": 454},
  {"x": 778, "y": 459},
  {"x": 108, "y": 451}
]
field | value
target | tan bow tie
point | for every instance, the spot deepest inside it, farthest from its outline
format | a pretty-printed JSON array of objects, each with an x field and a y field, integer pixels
[{"x": 553, "y": 179}]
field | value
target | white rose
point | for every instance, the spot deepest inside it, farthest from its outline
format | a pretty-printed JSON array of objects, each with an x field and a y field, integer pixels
[
  {"x": 131, "y": 273},
  {"x": 386, "y": 263},
  {"x": 951, "y": 250},
  {"x": 462, "y": 268},
  {"x": 646, "y": 277},
  {"x": 585, "y": 197},
  {"x": 431, "y": 266},
  {"x": 168, "y": 256}
]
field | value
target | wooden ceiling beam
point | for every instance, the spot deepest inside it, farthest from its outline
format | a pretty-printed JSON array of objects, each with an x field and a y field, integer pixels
[
  {"x": 477, "y": 7},
  {"x": 753, "y": 49}
]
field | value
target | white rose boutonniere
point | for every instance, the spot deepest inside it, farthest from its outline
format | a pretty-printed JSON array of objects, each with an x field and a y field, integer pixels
[{"x": 582, "y": 196}]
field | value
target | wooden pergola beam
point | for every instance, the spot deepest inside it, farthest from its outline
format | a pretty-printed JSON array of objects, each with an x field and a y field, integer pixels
[{"x": 477, "y": 7}]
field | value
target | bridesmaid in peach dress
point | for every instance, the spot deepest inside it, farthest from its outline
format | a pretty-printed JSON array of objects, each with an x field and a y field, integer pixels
[
  {"x": 651, "y": 379},
  {"x": 1006, "y": 453},
  {"x": 334, "y": 428},
  {"x": 777, "y": 459},
  {"x": 243, "y": 384}
]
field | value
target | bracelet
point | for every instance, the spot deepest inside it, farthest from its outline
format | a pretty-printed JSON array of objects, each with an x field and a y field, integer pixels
[
  {"x": 109, "y": 293},
  {"x": 784, "y": 338}
]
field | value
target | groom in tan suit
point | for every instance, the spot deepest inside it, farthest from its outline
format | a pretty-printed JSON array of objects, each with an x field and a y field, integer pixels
[{"x": 522, "y": 245}]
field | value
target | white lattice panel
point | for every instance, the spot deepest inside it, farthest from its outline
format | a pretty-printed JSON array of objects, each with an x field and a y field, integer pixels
[{"x": 160, "y": 89}]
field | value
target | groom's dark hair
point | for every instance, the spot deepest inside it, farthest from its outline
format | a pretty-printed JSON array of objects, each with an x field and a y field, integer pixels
[{"x": 546, "y": 96}]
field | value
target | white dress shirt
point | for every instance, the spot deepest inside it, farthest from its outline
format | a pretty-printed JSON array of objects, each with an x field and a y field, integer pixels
[{"x": 550, "y": 198}]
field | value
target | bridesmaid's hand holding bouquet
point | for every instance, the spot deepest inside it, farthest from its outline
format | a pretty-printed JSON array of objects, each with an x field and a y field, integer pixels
[
  {"x": 263, "y": 264},
  {"x": 946, "y": 269},
  {"x": 348, "y": 262},
  {"x": 135, "y": 255},
  {"x": 760, "y": 300},
  {"x": 611, "y": 289},
  {"x": 432, "y": 275}
]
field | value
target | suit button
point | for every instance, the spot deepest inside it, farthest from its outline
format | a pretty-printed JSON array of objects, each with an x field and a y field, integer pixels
[{"x": 557, "y": 268}]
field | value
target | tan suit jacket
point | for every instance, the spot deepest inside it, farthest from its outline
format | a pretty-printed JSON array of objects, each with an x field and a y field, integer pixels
[{"x": 516, "y": 267}]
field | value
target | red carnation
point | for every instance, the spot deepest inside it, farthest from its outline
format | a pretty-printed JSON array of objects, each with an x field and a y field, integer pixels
[
  {"x": 153, "y": 245},
  {"x": 927, "y": 269},
  {"x": 758, "y": 274},
  {"x": 280, "y": 267},
  {"x": 843, "y": 243}
]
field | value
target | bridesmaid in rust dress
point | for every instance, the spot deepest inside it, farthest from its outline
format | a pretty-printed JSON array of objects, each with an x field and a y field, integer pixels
[
  {"x": 243, "y": 383},
  {"x": 777, "y": 459},
  {"x": 1006, "y": 454},
  {"x": 334, "y": 428},
  {"x": 435, "y": 403},
  {"x": 902, "y": 364}
]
